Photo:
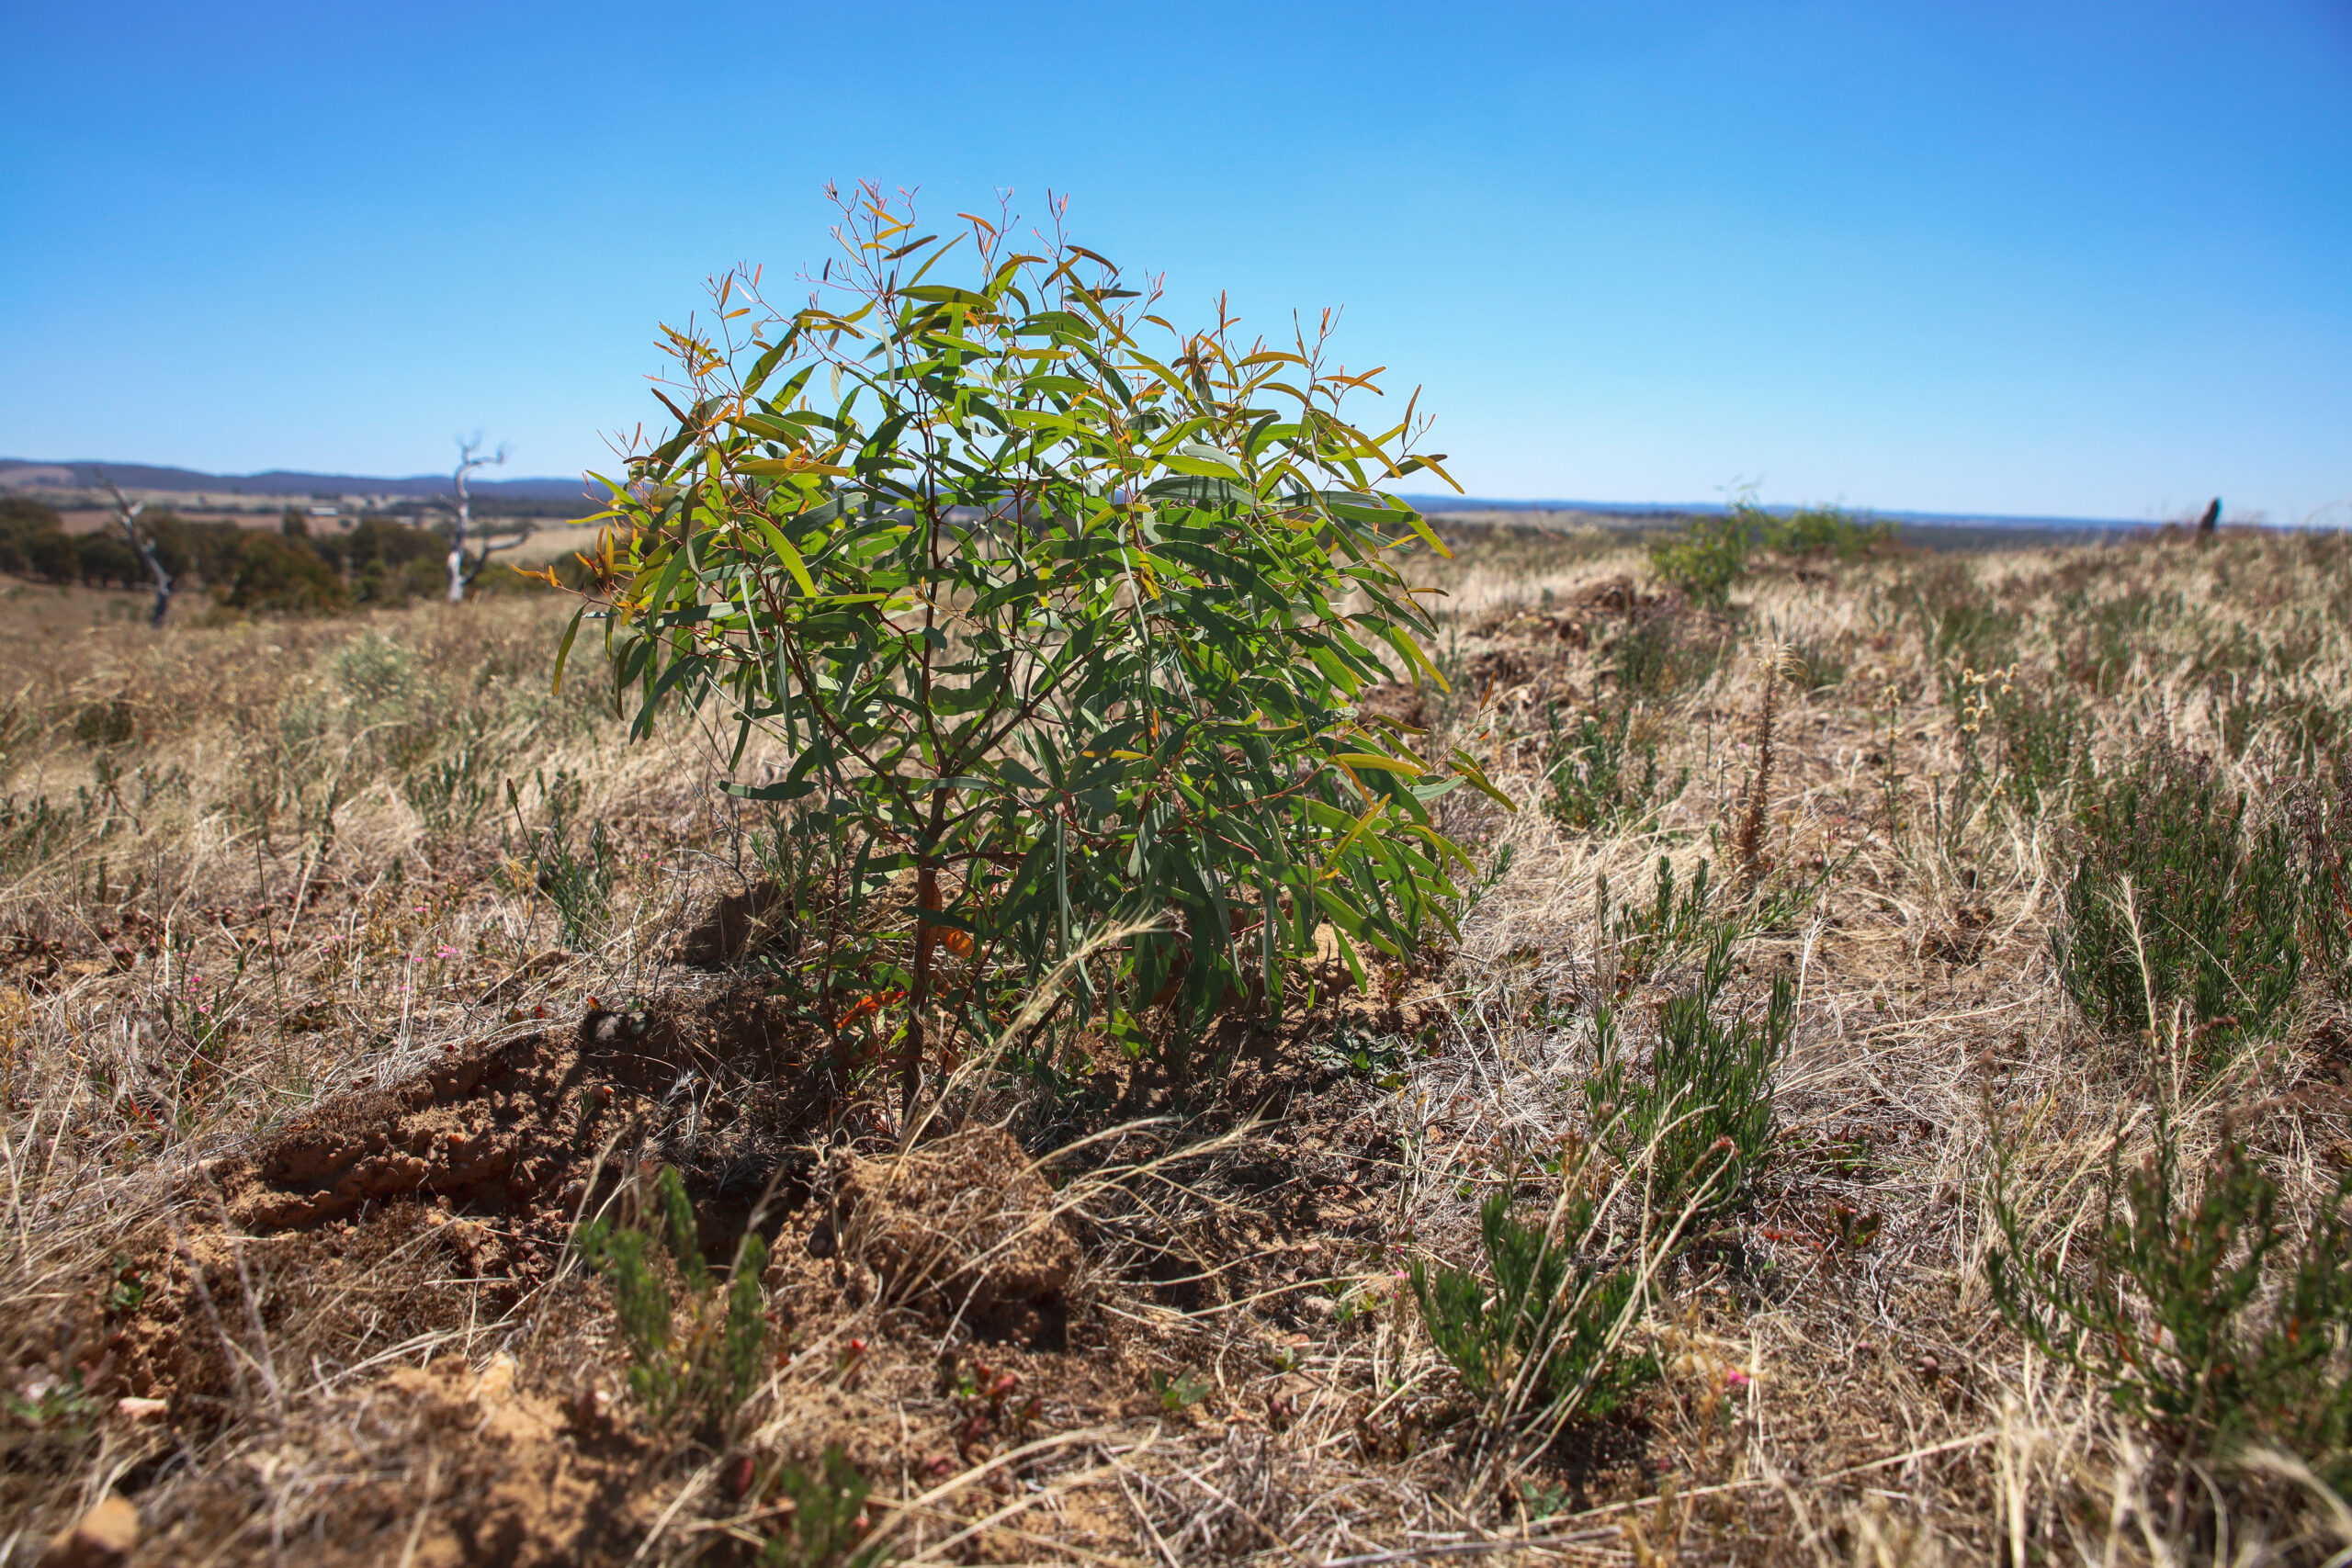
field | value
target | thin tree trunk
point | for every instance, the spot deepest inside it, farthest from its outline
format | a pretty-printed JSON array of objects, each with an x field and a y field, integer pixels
[
  {"x": 918, "y": 994},
  {"x": 128, "y": 515},
  {"x": 457, "y": 544},
  {"x": 154, "y": 570}
]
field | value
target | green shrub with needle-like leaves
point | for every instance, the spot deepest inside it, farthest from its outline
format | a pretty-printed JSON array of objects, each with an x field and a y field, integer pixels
[
  {"x": 2201, "y": 1309},
  {"x": 1542, "y": 1321},
  {"x": 2179, "y": 894},
  {"x": 1071, "y": 626},
  {"x": 702, "y": 1354},
  {"x": 1698, "y": 1113}
]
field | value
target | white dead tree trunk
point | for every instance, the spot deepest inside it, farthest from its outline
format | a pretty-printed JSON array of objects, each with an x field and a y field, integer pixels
[
  {"x": 127, "y": 512},
  {"x": 462, "y": 569}
]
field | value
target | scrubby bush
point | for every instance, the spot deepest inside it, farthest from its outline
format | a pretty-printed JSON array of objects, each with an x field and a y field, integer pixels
[
  {"x": 1539, "y": 1327},
  {"x": 2179, "y": 895},
  {"x": 1711, "y": 552},
  {"x": 1705, "y": 557},
  {"x": 2201, "y": 1309},
  {"x": 1677, "y": 922},
  {"x": 1696, "y": 1119},
  {"x": 1601, "y": 775},
  {"x": 1071, "y": 629},
  {"x": 696, "y": 1357},
  {"x": 282, "y": 575},
  {"x": 576, "y": 882},
  {"x": 1811, "y": 533}
]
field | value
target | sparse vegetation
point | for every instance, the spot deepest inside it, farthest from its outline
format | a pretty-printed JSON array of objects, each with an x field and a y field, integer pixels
[
  {"x": 397, "y": 1161},
  {"x": 699, "y": 1354},
  {"x": 1537, "y": 1331},
  {"x": 1600, "y": 774},
  {"x": 1710, "y": 553}
]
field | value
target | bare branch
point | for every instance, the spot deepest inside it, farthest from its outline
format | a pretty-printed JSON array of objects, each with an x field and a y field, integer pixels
[{"x": 126, "y": 511}]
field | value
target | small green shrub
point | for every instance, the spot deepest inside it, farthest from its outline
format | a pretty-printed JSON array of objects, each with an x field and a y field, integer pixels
[
  {"x": 828, "y": 1516},
  {"x": 1181, "y": 1392},
  {"x": 1539, "y": 1327},
  {"x": 2178, "y": 895},
  {"x": 2202, "y": 1313},
  {"x": 1650, "y": 937},
  {"x": 449, "y": 793},
  {"x": 699, "y": 1358},
  {"x": 1705, "y": 557},
  {"x": 577, "y": 883},
  {"x": 1600, "y": 775},
  {"x": 1698, "y": 1115}
]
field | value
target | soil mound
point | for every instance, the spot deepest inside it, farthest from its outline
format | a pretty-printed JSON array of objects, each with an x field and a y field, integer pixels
[
  {"x": 965, "y": 1223},
  {"x": 737, "y": 926},
  {"x": 402, "y": 1211},
  {"x": 500, "y": 1127}
]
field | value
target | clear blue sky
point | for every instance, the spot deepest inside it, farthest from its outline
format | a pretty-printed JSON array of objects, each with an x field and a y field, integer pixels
[{"x": 2041, "y": 259}]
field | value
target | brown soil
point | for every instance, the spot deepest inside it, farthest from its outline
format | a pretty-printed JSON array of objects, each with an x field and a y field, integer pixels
[
  {"x": 738, "y": 926},
  {"x": 436, "y": 1466},
  {"x": 482, "y": 1163}
]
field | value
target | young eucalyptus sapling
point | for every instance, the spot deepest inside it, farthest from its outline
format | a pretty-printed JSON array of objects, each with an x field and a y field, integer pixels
[{"x": 1058, "y": 607}]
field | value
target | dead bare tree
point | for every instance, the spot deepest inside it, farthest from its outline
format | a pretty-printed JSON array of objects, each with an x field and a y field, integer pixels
[
  {"x": 126, "y": 511},
  {"x": 463, "y": 568}
]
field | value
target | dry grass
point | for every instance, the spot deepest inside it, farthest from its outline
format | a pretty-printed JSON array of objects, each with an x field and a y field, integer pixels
[{"x": 264, "y": 879}]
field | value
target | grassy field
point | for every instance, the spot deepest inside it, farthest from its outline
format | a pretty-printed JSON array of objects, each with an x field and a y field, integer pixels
[{"x": 346, "y": 969}]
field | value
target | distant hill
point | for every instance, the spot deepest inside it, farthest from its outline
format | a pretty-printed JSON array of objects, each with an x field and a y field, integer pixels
[
  {"x": 18, "y": 473},
  {"x": 1667, "y": 512}
]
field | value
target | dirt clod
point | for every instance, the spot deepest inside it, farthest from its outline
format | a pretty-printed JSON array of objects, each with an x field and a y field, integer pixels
[
  {"x": 103, "y": 1536},
  {"x": 964, "y": 1223}
]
